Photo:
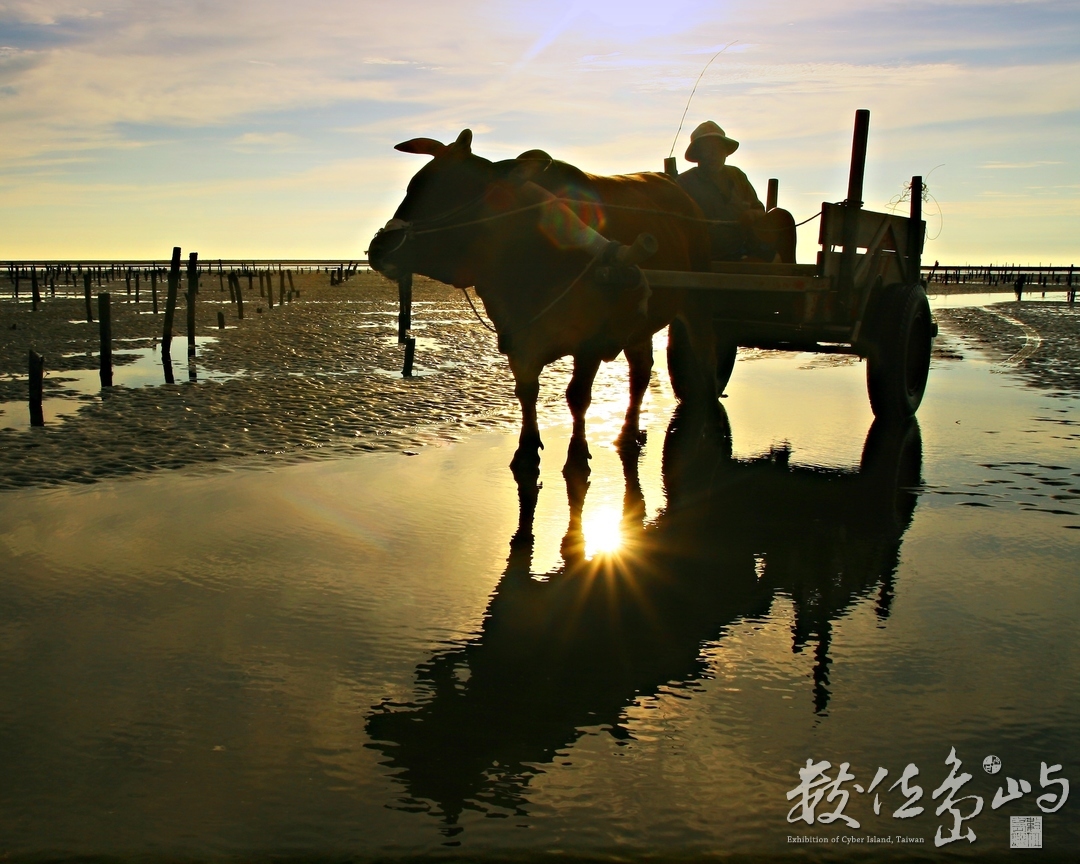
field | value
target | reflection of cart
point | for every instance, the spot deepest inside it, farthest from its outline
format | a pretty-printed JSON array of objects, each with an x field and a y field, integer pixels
[{"x": 863, "y": 296}]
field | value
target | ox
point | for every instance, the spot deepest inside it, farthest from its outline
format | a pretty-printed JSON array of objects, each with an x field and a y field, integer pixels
[{"x": 470, "y": 222}]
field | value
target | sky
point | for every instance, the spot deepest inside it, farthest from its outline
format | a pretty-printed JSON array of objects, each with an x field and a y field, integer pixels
[{"x": 265, "y": 128}]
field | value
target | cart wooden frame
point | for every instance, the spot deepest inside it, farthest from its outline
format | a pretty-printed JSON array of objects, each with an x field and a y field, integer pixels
[{"x": 864, "y": 296}]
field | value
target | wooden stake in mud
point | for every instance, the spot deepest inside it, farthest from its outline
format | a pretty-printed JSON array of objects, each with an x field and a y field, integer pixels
[
  {"x": 404, "y": 319},
  {"x": 170, "y": 301},
  {"x": 773, "y": 194},
  {"x": 281, "y": 287},
  {"x": 269, "y": 289},
  {"x": 136, "y": 286},
  {"x": 220, "y": 320},
  {"x": 105, "y": 325},
  {"x": 153, "y": 288},
  {"x": 86, "y": 296},
  {"x": 34, "y": 292},
  {"x": 239, "y": 299},
  {"x": 193, "y": 289},
  {"x": 410, "y": 354},
  {"x": 37, "y": 376},
  {"x": 291, "y": 288}
]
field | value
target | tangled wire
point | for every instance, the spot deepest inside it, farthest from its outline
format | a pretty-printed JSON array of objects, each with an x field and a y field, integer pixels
[{"x": 904, "y": 197}]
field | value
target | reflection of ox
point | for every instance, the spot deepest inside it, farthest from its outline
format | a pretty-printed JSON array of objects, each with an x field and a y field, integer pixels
[
  {"x": 576, "y": 648},
  {"x": 467, "y": 221}
]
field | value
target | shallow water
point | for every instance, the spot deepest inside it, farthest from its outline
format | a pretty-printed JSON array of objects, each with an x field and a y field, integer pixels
[
  {"x": 132, "y": 367},
  {"x": 385, "y": 655}
]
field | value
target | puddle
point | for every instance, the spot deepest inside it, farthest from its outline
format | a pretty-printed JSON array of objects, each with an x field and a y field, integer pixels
[
  {"x": 948, "y": 300},
  {"x": 132, "y": 368},
  {"x": 423, "y": 343},
  {"x": 396, "y": 374}
]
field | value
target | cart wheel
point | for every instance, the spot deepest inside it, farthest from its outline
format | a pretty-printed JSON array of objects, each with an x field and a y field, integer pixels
[
  {"x": 682, "y": 366},
  {"x": 726, "y": 350},
  {"x": 680, "y": 360},
  {"x": 898, "y": 359}
]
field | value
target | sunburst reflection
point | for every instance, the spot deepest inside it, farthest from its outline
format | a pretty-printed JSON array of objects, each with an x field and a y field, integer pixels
[{"x": 603, "y": 531}]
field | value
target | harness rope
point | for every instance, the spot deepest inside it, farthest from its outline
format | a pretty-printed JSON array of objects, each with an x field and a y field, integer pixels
[
  {"x": 483, "y": 323},
  {"x": 539, "y": 314},
  {"x": 506, "y": 214}
]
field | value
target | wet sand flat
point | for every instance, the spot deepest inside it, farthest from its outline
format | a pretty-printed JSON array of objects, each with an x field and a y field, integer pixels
[{"x": 321, "y": 372}]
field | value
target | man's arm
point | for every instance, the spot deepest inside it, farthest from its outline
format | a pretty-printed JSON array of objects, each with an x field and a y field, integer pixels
[{"x": 745, "y": 194}]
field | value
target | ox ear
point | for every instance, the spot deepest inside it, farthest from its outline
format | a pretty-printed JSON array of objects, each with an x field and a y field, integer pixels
[
  {"x": 464, "y": 141},
  {"x": 425, "y": 146}
]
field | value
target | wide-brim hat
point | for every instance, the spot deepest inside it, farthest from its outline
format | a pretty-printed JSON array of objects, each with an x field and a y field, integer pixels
[{"x": 708, "y": 129}]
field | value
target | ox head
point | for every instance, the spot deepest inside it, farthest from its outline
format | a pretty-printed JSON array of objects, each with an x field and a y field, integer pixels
[
  {"x": 423, "y": 236},
  {"x": 429, "y": 233}
]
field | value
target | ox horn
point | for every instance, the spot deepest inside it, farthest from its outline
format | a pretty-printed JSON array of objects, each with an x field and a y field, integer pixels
[
  {"x": 643, "y": 248},
  {"x": 425, "y": 146}
]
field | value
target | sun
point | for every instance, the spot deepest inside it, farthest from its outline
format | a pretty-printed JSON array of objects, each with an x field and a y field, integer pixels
[{"x": 603, "y": 531}]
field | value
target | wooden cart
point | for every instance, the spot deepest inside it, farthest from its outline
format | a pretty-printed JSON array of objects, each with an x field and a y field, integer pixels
[{"x": 864, "y": 296}]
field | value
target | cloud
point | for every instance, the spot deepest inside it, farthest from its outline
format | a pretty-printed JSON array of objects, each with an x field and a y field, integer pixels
[
  {"x": 118, "y": 92},
  {"x": 251, "y": 142},
  {"x": 1036, "y": 164}
]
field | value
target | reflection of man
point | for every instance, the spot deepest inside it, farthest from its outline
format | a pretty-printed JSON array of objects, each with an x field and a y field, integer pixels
[{"x": 725, "y": 193}]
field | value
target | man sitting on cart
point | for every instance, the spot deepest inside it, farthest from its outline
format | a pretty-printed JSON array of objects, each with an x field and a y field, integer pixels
[{"x": 743, "y": 230}]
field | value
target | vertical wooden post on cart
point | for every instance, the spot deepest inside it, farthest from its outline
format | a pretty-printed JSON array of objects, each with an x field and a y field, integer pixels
[
  {"x": 852, "y": 210},
  {"x": 772, "y": 195},
  {"x": 915, "y": 231}
]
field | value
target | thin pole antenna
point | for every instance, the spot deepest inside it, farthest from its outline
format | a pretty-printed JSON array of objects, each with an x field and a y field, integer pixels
[{"x": 692, "y": 92}]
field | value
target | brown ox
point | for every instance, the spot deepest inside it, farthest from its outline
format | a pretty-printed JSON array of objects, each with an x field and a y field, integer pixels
[{"x": 469, "y": 222}]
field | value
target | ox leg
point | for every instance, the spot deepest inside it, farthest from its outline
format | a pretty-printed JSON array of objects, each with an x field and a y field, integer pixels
[
  {"x": 640, "y": 360},
  {"x": 579, "y": 397},
  {"x": 526, "y": 459}
]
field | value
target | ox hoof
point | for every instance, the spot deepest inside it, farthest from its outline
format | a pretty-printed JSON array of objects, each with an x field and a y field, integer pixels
[
  {"x": 630, "y": 438},
  {"x": 576, "y": 470},
  {"x": 526, "y": 462},
  {"x": 578, "y": 450}
]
